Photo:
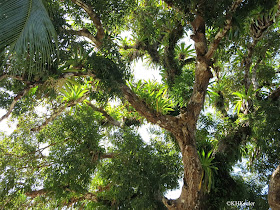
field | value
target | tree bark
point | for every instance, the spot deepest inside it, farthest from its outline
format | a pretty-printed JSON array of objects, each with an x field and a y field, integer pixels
[
  {"x": 184, "y": 132},
  {"x": 274, "y": 190},
  {"x": 191, "y": 193},
  {"x": 183, "y": 126}
]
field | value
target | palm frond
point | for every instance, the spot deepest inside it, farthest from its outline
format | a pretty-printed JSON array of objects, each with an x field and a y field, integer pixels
[{"x": 27, "y": 36}]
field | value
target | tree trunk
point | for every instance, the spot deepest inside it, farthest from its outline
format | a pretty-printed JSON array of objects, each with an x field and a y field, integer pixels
[
  {"x": 274, "y": 190},
  {"x": 191, "y": 194},
  {"x": 185, "y": 128}
]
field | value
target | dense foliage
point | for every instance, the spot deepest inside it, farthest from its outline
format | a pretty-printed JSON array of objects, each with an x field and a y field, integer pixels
[{"x": 67, "y": 81}]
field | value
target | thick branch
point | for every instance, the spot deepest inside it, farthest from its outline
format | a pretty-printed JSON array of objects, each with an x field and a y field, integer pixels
[
  {"x": 187, "y": 61},
  {"x": 151, "y": 49},
  {"x": 254, "y": 74},
  {"x": 95, "y": 19},
  {"x": 85, "y": 33},
  {"x": 202, "y": 72},
  {"x": 165, "y": 121},
  {"x": 105, "y": 114},
  {"x": 3, "y": 76},
  {"x": 257, "y": 31},
  {"x": 88, "y": 196},
  {"x": 58, "y": 111},
  {"x": 275, "y": 94},
  {"x": 247, "y": 64},
  {"x": 107, "y": 155},
  {"x": 171, "y": 66},
  {"x": 213, "y": 47},
  {"x": 100, "y": 156},
  {"x": 36, "y": 193},
  {"x": 230, "y": 144},
  {"x": 202, "y": 77},
  {"x": 16, "y": 99}
]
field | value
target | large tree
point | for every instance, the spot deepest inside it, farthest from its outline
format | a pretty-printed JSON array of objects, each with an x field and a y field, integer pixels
[{"x": 66, "y": 80}]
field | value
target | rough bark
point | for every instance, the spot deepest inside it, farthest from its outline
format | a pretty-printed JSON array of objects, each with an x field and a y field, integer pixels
[
  {"x": 165, "y": 121},
  {"x": 96, "y": 21},
  {"x": 275, "y": 94},
  {"x": 186, "y": 127},
  {"x": 184, "y": 131},
  {"x": 230, "y": 144},
  {"x": 274, "y": 190},
  {"x": 169, "y": 62},
  {"x": 191, "y": 193}
]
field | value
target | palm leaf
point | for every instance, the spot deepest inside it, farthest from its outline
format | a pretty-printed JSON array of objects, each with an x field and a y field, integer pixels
[{"x": 26, "y": 36}]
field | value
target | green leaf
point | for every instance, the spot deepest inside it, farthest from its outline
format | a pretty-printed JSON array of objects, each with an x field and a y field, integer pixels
[{"x": 28, "y": 35}]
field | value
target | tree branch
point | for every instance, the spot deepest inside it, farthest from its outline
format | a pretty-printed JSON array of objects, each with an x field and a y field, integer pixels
[
  {"x": 31, "y": 85},
  {"x": 171, "y": 66},
  {"x": 165, "y": 121},
  {"x": 107, "y": 155},
  {"x": 85, "y": 33},
  {"x": 254, "y": 74},
  {"x": 213, "y": 47},
  {"x": 3, "y": 76},
  {"x": 100, "y": 156},
  {"x": 247, "y": 64},
  {"x": 95, "y": 19},
  {"x": 16, "y": 99},
  {"x": 202, "y": 72},
  {"x": 275, "y": 94},
  {"x": 87, "y": 196},
  {"x": 105, "y": 114},
  {"x": 187, "y": 61},
  {"x": 58, "y": 111},
  {"x": 151, "y": 49},
  {"x": 36, "y": 193},
  {"x": 257, "y": 31}
]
